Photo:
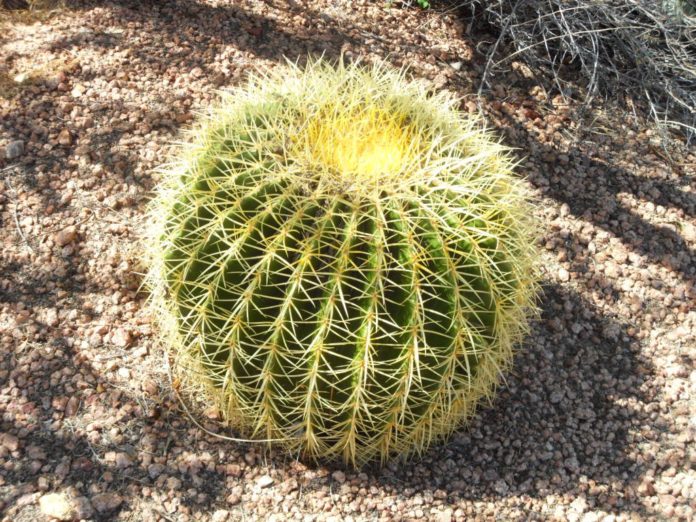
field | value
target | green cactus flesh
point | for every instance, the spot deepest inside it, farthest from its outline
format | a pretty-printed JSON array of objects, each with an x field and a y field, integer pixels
[{"x": 346, "y": 261}]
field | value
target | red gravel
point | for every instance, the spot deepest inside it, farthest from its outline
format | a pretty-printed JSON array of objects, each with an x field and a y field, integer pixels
[{"x": 596, "y": 421}]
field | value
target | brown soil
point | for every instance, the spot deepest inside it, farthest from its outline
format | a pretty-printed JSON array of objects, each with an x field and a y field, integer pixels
[{"x": 594, "y": 422}]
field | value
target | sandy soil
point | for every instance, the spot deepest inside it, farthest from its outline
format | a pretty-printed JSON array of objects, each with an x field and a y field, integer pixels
[{"x": 595, "y": 423}]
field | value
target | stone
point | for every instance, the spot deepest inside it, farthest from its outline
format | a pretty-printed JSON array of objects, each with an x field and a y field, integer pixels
[
  {"x": 556, "y": 396},
  {"x": 9, "y": 442},
  {"x": 579, "y": 505},
  {"x": 66, "y": 236},
  {"x": 563, "y": 275},
  {"x": 123, "y": 460},
  {"x": 121, "y": 338},
  {"x": 57, "y": 506},
  {"x": 83, "y": 507},
  {"x": 339, "y": 476},
  {"x": 104, "y": 502},
  {"x": 72, "y": 406},
  {"x": 77, "y": 91},
  {"x": 233, "y": 499},
  {"x": 264, "y": 481},
  {"x": 51, "y": 317},
  {"x": 155, "y": 470},
  {"x": 220, "y": 515},
  {"x": 445, "y": 515},
  {"x": 65, "y": 138},
  {"x": 14, "y": 149}
]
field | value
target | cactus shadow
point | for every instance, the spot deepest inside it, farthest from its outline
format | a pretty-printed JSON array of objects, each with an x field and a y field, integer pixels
[
  {"x": 565, "y": 422},
  {"x": 72, "y": 451}
]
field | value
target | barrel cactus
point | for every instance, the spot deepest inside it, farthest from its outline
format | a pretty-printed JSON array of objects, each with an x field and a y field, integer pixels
[{"x": 342, "y": 261}]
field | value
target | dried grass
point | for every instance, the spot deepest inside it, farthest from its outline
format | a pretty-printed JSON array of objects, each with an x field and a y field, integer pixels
[
  {"x": 638, "y": 51},
  {"x": 37, "y": 11}
]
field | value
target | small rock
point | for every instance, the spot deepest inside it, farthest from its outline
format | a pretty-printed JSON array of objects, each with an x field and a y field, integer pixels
[
  {"x": 66, "y": 236},
  {"x": 264, "y": 481},
  {"x": 556, "y": 396},
  {"x": 121, "y": 338},
  {"x": 592, "y": 516},
  {"x": 83, "y": 507},
  {"x": 14, "y": 149},
  {"x": 173, "y": 483},
  {"x": 65, "y": 138},
  {"x": 220, "y": 515},
  {"x": 155, "y": 470},
  {"x": 51, "y": 317},
  {"x": 289, "y": 485},
  {"x": 72, "y": 406},
  {"x": 10, "y": 442},
  {"x": 501, "y": 487},
  {"x": 233, "y": 499},
  {"x": 563, "y": 275},
  {"x": 77, "y": 91},
  {"x": 123, "y": 460},
  {"x": 36, "y": 453},
  {"x": 688, "y": 232},
  {"x": 21, "y": 77},
  {"x": 104, "y": 502},
  {"x": 234, "y": 470},
  {"x": 457, "y": 66},
  {"x": 339, "y": 476},
  {"x": 667, "y": 500},
  {"x": 57, "y": 506},
  {"x": 444, "y": 516},
  {"x": 646, "y": 488},
  {"x": 219, "y": 80}
]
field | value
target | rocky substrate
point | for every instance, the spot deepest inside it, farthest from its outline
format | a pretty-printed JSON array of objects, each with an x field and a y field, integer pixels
[{"x": 596, "y": 420}]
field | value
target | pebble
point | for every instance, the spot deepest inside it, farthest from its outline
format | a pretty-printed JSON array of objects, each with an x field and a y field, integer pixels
[
  {"x": 233, "y": 499},
  {"x": 105, "y": 502},
  {"x": 14, "y": 149},
  {"x": 72, "y": 406},
  {"x": 65, "y": 138},
  {"x": 9, "y": 441},
  {"x": 121, "y": 338},
  {"x": 66, "y": 236},
  {"x": 123, "y": 460},
  {"x": 264, "y": 481},
  {"x": 593, "y": 420},
  {"x": 445, "y": 515},
  {"x": 57, "y": 506},
  {"x": 220, "y": 515}
]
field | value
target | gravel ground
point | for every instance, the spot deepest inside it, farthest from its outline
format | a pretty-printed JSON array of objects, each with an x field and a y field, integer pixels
[{"x": 595, "y": 423}]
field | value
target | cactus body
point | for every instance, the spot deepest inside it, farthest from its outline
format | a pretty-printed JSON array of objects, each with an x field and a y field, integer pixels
[{"x": 344, "y": 261}]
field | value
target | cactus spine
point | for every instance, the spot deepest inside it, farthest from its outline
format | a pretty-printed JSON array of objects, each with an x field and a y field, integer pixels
[{"x": 342, "y": 261}]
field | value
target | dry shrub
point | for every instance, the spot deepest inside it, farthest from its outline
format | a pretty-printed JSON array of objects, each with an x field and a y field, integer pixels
[{"x": 639, "y": 51}]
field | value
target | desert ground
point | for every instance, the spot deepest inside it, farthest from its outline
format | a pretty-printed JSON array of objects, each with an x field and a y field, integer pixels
[{"x": 596, "y": 420}]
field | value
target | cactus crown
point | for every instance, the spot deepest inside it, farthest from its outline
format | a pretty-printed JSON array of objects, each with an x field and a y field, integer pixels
[{"x": 342, "y": 261}]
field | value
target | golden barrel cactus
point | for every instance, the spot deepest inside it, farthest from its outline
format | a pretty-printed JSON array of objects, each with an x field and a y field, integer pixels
[{"x": 342, "y": 261}]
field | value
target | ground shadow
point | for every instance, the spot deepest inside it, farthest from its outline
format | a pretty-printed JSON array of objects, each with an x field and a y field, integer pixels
[
  {"x": 567, "y": 416},
  {"x": 560, "y": 421}
]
